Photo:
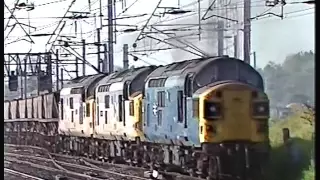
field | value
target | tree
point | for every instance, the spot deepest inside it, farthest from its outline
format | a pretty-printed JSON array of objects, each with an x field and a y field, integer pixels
[
  {"x": 291, "y": 81},
  {"x": 300, "y": 98}
]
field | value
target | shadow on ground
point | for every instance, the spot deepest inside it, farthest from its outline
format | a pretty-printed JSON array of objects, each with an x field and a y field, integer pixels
[{"x": 282, "y": 165}]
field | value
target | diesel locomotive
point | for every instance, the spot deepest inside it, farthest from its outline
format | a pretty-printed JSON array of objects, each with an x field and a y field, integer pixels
[{"x": 207, "y": 117}]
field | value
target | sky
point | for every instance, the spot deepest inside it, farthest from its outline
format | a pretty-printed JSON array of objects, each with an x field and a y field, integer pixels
[{"x": 272, "y": 38}]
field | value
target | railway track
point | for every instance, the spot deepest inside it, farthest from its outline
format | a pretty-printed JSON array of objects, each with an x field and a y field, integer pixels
[
  {"x": 17, "y": 174},
  {"x": 48, "y": 172},
  {"x": 68, "y": 169},
  {"x": 88, "y": 168},
  {"x": 74, "y": 164}
]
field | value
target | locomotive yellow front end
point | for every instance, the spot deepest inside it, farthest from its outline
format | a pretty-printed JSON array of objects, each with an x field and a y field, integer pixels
[
  {"x": 233, "y": 122},
  {"x": 135, "y": 115}
]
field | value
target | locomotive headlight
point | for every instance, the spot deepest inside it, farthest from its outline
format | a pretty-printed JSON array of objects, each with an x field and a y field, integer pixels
[
  {"x": 260, "y": 109},
  {"x": 212, "y": 110}
]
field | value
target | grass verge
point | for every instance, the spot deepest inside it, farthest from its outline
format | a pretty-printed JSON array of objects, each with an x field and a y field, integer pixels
[{"x": 281, "y": 166}]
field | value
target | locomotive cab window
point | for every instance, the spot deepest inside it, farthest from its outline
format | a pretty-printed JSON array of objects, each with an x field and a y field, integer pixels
[
  {"x": 161, "y": 97},
  {"x": 87, "y": 109},
  {"x": 180, "y": 106},
  {"x": 188, "y": 86},
  {"x": 120, "y": 108},
  {"x": 131, "y": 108},
  {"x": 71, "y": 103},
  {"x": 107, "y": 101},
  {"x": 212, "y": 110}
]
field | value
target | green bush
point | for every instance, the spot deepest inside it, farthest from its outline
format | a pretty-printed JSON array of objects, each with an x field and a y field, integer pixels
[
  {"x": 280, "y": 165},
  {"x": 309, "y": 174}
]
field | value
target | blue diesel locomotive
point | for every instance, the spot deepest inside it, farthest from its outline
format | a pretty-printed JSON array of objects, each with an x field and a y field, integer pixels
[{"x": 205, "y": 116}]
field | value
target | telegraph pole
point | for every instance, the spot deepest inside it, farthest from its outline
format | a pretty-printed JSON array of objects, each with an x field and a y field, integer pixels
[
  {"x": 57, "y": 69},
  {"x": 77, "y": 67},
  {"x": 125, "y": 56},
  {"x": 49, "y": 72},
  {"x": 110, "y": 40},
  {"x": 105, "y": 63},
  {"x": 38, "y": 77},
  {"x": 254, "y": 60},
  {"x": 61, "y": 79},
  {"x": 100, "y": 13},
  {"x": 98, "y": 46},
  {"x": 235, "y": 46},
  {"x": 84, "y": 57},
  {"x": 220, "y": 38},
  {"x": 25, "y": 80},
  {"x": 21, "y": 80},
  {"x": 247, "y": 31}
]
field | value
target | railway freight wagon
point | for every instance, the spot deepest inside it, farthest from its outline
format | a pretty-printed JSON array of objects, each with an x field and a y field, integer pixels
[
  {"x": 206, "y": 117},
  {"x": 32, "y": 120}
]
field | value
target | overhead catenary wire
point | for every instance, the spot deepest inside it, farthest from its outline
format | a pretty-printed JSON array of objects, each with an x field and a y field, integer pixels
[
  {"x": 35, "y": 32},
  {"x": 11, "y": 12},
  {"x": 192, "y": 12},
  {"x": 57, "y": 27},
  {"x": 254, "y": 20},
  {"x": 49, "y": 3},
  {"x": 285, "y": 17},
  {"x": 170, "y": 19}
]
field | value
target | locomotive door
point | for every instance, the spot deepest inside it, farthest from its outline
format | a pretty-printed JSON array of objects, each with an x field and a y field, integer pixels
[
  {"x": 126, "y": 93},
  {"x": 81, "y": 114},
  {"x": 137, "y": 112},
  {"x": 72, "y": 112},
  {"x": 89, "y": 116},
  {"x": 187, "y": 94},
  {"x": 93, "y": 115}
]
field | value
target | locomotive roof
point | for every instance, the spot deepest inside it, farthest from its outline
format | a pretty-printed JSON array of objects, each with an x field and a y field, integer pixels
[
  {"x": 88, "y": 83},
  {"x": 83, "y": 81},
  {"x": 188, "y": 66},
  {"x": 122, "y": 76}
]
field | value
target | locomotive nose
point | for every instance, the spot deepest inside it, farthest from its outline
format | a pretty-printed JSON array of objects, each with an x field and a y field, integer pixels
[
  {"x": 236, "y": 104},
  {"x": 235, "y": 112}
]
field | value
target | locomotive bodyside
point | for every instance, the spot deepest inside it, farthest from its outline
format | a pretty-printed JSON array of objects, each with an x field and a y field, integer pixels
[
  {"x": 168, "y": 96},
  {"x": 76, "y": 107},
  {"x": 110, "y": 123},
  {"x": 167, "y": 115},
  {"x": 113, "y": 95},
  {"x": 70, "y": 105}
]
